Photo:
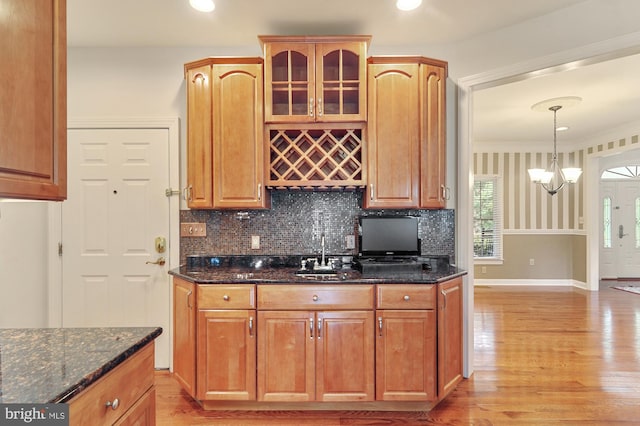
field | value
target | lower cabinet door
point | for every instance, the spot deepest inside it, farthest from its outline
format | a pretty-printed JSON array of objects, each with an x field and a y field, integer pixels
[
  {"x": 449, "y": 335},
  {"x": 286, "y": 356},
  {"x": 345, "y": 356},
  {"x": 406, "y": 355},
  {"x": 226, "y": 355}
]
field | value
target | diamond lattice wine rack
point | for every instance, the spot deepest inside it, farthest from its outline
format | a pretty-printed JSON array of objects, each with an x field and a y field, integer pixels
[{"x": 316, "y": 158}]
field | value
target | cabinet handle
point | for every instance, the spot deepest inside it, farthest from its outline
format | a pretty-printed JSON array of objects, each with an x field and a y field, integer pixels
[
  {"x": 319, "y": 107},
  {"x": 197, "y": 76},
  {"x": 371, "y": 192},
  {"x": 225, "y": 297},
  {"x": 189, "y": 299},
  {"x": 446, "y": 192},
  {"x": 380, "y": 326},
  {"x": 310, "y": 107},
  {"x": 251, "y": 326},
  {"x": 319, "y": 328},
  {"x": 311, "y": 327},
  {"x": 189, "y": 194},
  {"x": 259, "y": 192},
  {"x": 315, "y": 297},
  {"x": 444, "y": 299},
  {"x": 113, "y": 404},
  {"x": 406, "y": 298}
]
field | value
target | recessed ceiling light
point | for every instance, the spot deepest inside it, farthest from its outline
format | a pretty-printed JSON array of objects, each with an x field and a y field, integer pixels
[
  {"x": 562, "y": 128},
  {"x": 202, "y": 5},
  {"x": 408, "y": 4}
]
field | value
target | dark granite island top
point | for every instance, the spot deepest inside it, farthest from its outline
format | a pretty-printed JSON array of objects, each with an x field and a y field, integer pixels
[{"x": 51, "y": 365}]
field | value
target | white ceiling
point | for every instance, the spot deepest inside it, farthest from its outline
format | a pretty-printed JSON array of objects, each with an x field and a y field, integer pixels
[{"x": 610, "y": 90}]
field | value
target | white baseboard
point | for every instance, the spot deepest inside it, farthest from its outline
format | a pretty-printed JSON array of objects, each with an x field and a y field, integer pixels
[{"x": 529, "y": 283}]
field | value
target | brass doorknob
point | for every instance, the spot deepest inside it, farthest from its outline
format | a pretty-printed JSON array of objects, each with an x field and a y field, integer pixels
[{"x": 160, "y": 262}]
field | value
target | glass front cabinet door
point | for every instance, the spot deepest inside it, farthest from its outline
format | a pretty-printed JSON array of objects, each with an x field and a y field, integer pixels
[{"x": 315, "y": 79}]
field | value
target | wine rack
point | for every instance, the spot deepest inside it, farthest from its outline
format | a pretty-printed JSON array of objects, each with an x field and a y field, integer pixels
[{"x": 314, "y": 157}]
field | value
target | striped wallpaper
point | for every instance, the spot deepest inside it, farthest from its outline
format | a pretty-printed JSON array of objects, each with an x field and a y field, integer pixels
[{"x": 527, "y": 206}]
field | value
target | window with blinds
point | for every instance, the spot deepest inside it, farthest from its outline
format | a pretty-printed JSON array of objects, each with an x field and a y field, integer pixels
[{"x": 487, "y": 218}]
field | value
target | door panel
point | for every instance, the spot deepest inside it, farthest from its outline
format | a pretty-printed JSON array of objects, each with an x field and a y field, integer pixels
[
  {"x": 226, "y": 355},
  {"x": 286, "y": 356},
  {"x": 116, "y": 207},
  {"x": 345, "y": 356}
]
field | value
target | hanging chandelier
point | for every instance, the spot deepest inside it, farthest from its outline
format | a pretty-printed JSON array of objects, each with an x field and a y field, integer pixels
[{"x": 553, "y": 179}]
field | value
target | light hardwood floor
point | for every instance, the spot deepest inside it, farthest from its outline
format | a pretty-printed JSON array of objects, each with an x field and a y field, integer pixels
[{"x": 543, "y": 356}]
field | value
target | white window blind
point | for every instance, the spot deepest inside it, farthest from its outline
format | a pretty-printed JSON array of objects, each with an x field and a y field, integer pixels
[{"x": 487, "y": 217}]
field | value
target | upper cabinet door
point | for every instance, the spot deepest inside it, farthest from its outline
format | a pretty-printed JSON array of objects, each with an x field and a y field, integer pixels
[
  {"x": 33, "y": 100},
  {"x": 315, "y": 79},
  {"x": 433, "y": 138},
  {"x": 393, "y": 150},
  {"x": 341, "y": 70},
  {"x": 199, "y": 137},
  {"x": 238, "y": 148}
]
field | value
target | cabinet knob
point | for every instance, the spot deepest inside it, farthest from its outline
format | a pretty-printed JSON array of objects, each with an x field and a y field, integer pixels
[
  {"x": 113, "y": 404},
  {"x": 315, "y": 298},
  {"x": 225, "y": 297},
  {"x": 406, "y": 298}
]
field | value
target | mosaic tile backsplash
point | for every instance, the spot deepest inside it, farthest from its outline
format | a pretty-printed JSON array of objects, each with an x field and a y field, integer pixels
[{"x": 296, "y": 221}]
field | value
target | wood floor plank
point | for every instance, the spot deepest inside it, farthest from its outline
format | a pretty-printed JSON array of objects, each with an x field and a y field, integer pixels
[{"x": 543, "y": 356}]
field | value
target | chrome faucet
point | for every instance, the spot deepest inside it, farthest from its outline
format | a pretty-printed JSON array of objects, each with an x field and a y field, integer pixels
[{"x": 323, "y": 265}]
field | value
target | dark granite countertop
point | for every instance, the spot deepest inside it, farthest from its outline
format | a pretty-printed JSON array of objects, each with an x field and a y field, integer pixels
[
  {"x": 50, "y": 365},
  {"x": 282, "y": 270}
]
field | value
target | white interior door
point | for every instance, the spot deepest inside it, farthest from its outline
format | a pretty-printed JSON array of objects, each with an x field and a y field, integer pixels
[{"x": 115, "y": 211}]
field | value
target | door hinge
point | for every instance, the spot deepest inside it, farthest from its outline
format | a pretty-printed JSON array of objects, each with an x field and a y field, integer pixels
[{"x": 59, "y": 249}]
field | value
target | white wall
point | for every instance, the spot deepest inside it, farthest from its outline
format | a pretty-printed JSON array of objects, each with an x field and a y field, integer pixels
[{"x": 23, "y": 264}]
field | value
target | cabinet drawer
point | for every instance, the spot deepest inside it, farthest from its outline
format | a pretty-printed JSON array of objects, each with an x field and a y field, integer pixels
[
  {"x": 241, "y": 296},
  {"x": 406, "y": 296},
  {"x": 127, "y": 383},
  {"x": 298, "y": 297}
]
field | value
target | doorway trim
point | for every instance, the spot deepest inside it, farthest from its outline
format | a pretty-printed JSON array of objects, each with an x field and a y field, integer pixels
[
  {"x": 172, "y": 125},
  {"x": 561, "y": 61}
]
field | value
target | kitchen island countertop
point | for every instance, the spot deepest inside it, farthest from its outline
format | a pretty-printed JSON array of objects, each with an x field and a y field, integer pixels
[{"x": 51, "y": 365}]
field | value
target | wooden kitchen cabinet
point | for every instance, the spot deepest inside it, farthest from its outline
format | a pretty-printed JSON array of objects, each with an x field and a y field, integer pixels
[
  {"x": 450, "y": 349},
  {"x": 124, "y": 396},
  {"x": 225, "y": 152},
  {"x": 325, "y": 354},
  {"x": 184, "y": 334},
  {"x": 315, "y": 78},
  {"x": 406, "y": 129},
  {"x": 33, "y": 100},
  {"x": 406, "y": 345},
  {"x": 321, "y": 346},
  {"x": 226, "y": 343}
]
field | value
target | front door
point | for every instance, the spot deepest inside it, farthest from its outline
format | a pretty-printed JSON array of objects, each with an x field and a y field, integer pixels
[
  {"x": 626, "y": 229},
  {"x": 115, "y": 230},
  {"x": 620, "y": 240}
]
